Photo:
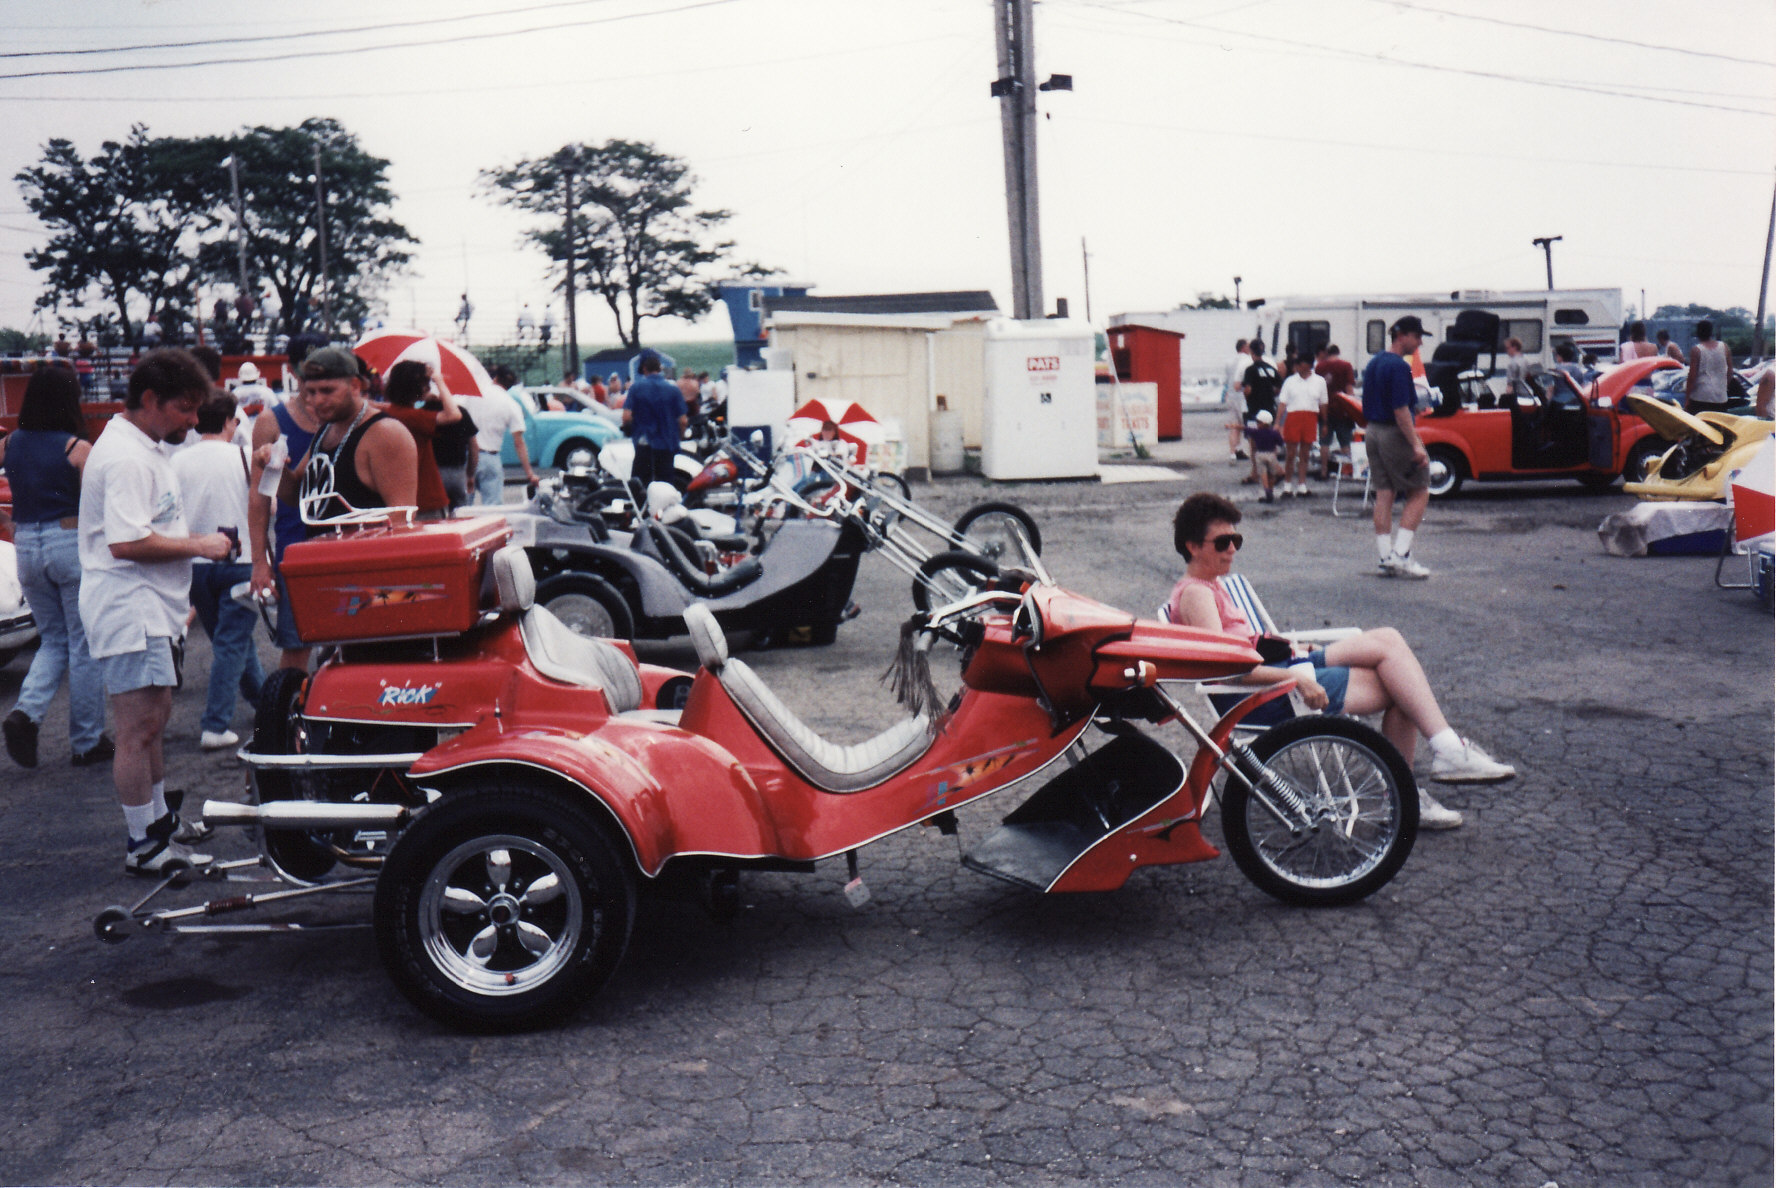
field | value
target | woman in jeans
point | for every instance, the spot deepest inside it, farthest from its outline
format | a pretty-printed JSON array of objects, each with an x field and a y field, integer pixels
[{"x": 43, "y": 460}]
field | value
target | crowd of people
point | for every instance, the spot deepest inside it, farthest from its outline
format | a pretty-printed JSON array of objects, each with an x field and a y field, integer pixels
[{"x": 180, "y": 511}]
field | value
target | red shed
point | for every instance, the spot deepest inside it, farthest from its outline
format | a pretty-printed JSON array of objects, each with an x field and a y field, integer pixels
[{"x": 1149, "y": 355}]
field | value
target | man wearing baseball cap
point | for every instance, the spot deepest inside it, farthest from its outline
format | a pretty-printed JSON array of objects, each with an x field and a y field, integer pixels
[
  {"x": 1398, "y": 460},
  {"x": 361, "y": 457}
]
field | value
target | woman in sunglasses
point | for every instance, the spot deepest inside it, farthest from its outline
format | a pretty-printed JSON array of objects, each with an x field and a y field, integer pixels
[{"x": 1371, "y": 673}]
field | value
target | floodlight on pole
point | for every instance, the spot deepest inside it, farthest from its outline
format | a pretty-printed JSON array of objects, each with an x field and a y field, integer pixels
[{"x": 1546, "y": 243}]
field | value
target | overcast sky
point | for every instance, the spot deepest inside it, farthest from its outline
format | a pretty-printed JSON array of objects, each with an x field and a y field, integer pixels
[{"x": 1309, "y": 146}]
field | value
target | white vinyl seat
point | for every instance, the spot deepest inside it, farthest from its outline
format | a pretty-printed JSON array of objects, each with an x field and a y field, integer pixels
[
  {"x": 554, "y": 648},
  {"x": 828, "y": 766}
]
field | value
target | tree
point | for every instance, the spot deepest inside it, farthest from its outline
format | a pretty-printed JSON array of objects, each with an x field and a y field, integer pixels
[
  {"x": 1206, "y": 300},
  {"x": 123, "y": 226},
  {"x": 365, "y": 247},
  {"x": 636, "y": 240},
  {"x": 1733, "y": 326}
]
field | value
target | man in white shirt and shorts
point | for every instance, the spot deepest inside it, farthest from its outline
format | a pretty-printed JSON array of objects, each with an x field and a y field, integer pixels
[{"x": 135, "y": 593}]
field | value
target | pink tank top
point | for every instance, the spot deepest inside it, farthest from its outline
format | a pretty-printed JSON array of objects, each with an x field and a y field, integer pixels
[{"x": 1232, "y": 621}]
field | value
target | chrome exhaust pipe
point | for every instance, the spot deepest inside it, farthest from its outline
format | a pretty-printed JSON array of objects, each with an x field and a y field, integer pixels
[{"x": 304, "y": 814}]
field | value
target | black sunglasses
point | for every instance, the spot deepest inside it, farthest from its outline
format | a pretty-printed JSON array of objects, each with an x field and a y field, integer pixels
[{"x": 1227, "y": 538}]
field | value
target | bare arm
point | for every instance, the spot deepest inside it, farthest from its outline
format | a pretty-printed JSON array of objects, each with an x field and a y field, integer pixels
[
  {"x": 388, "y": 462},
  {"x": 265, "y": 432},
  {"x": 1403, "y": 418},
  {"x": 212, "y": 546},
  {"x": 1198, "y": 607},
  {"x": 452, "y": 411},
  {"x": 523, "y": 455}
]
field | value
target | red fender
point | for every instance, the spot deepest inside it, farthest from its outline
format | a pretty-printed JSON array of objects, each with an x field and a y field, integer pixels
[{"x": 669, "y": 791}]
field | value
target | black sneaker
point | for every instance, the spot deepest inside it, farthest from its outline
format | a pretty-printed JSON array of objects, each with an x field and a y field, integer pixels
[
  {"x": 21, "y": 738},
  {"x": 102, "y": 752}
]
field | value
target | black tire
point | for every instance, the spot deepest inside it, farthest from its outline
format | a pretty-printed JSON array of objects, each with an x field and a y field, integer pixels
[
  {"x": 1597, "y": 482},
  {"x": 1646, "y": 451},
  {"x": 895, "y": 484},
  {"x": 569, "y": 447},
  {"x": 1447, "y": 471},
  {"x": 991, "y": 536},
  {"x": 278, "y": 730},
  {"x": 588, "y": 604},
  {"x": 494, "y": 846},
  {"x": 1377, "y": 805},
  {"x": 948, "y": 576},
  {"x": 823, "y": 634}
]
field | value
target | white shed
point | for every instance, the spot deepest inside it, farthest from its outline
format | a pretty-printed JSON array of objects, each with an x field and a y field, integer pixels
[{"x": 895, "y": 365}]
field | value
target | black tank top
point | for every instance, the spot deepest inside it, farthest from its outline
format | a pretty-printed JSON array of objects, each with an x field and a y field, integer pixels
[{"x": 335, "y": 472}]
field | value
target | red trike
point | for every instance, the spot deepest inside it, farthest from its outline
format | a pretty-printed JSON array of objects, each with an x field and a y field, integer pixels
[{"x": 508, "y": 786}]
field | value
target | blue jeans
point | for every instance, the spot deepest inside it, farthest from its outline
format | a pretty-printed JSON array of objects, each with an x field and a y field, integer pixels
[
  {"x": 49, "y": 571},
  {"x": 234, "y": 660},
  {"x": 490, "y": 478}
]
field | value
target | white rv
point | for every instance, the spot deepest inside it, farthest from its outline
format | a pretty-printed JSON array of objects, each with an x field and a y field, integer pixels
[{"x": 1591, "y": 319}]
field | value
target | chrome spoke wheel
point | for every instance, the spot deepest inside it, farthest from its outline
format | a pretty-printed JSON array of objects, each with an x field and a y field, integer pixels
[
  {"x": 584, "y": 615},
  {"x": 500, "y": 914}
]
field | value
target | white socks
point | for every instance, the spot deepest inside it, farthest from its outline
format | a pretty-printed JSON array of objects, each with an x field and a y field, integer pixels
[
  {"x": 1446, "y": 741},
  {"x": 158, "y": 800},
  {"x": 1403, "y": 543},
  {"x": 1384, "y": 546},
  {"x": 138, "y": 817}
]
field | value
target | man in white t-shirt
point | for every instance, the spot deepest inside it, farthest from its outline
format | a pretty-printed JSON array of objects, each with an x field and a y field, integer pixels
[
  {"x": 136, "y": 553},
  {"x": 1302, "y": 406},
  {"x": 213, "y": 478},
  {"x": 496, "y": 415},
  {"x": 1233, "y": 397}
]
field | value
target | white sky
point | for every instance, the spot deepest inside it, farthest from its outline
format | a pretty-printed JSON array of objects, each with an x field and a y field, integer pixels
[{"x": 856, "y": 144}]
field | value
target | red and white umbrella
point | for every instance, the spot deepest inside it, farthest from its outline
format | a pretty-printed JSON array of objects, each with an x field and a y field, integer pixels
[
  {"x": 461, "y": 372},
  {"x": 1754, "y": 496},
  {"x": 855, "y": 423}
]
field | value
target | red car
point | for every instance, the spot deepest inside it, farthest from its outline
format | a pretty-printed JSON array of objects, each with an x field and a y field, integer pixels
[{"x": 1564, "y": 431}]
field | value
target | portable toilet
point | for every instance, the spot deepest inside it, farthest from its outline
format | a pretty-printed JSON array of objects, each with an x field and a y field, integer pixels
[
  {"x": 1039, "y": 418},
  {"x": 1150, "y": 355}
]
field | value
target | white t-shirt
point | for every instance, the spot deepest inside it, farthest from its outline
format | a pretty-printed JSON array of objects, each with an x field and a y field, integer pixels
[
  {"x": 213, "y": 482},
  {"x": 127, "y": 491},
  {"x": 495, "y": 416},
  {"x": 1236, "y": 369},
  {"x": 1302, "y": 395}
]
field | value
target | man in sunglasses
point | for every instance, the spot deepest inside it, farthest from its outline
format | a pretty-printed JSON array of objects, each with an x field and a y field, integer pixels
[{"x": 1372, "y": 673}]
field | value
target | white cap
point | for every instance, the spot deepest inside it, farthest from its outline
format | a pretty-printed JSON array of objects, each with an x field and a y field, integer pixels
[
  {"x": 249, "y": 374},
  {"x": 1264, "y": 417}
]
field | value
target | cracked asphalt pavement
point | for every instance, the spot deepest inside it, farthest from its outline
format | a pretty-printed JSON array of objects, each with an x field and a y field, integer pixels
[{"x": 1575, "y": 987}]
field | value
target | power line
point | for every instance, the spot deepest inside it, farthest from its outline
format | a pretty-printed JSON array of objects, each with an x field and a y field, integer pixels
[
  {"x": 1495, "y": 75},
  {"x": 552, "y": 84},
  {"x": 160, "y": 45},
  {"x": 1491, "y": 20},
  {"x": 365, "y": 49}
]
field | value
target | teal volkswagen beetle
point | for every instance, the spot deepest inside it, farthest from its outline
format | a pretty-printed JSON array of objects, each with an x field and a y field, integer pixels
[{"x": 551, "y": 436}]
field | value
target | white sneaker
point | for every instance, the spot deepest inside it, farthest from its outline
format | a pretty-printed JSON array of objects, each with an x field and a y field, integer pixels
[
  {"x": 1469, "y": 765},
  {"x": 1404, "y": 567},
  {"x": 213, "y": 741},
  {"x": 1434, "y": 815},
  {"x": 158, "y": 854}
]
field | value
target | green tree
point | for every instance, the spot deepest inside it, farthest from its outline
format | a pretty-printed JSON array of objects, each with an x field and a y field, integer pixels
[
  {"x": 365, "y": 246},
  {"x": 1732, "y": 326},
  {"x": 124, "y": 227},
  {"x": 1207, "y": 300},
  {"x": 638, "y": 243}
]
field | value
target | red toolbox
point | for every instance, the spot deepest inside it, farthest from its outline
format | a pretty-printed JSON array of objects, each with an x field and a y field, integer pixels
[{"x": 384, "y": 583}]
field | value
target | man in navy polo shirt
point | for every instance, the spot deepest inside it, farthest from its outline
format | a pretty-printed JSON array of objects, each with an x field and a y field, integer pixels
[
  {"x": 656, "y": 417},
  {"x": 1398, "y": 460}
]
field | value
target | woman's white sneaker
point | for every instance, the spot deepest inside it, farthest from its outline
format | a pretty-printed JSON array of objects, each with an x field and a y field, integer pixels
[
  {"x": 1434, "y": 815},
  {"x": 1468, "y": 764}
]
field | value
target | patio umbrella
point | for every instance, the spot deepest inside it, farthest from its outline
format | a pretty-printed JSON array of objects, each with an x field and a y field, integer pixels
[
  {"x": 461, "y": 372},
  {"x": 856, "y": 425},
  {"x": 1754, "y": 496}
]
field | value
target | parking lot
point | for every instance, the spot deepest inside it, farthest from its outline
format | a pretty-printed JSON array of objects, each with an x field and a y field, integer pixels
[{"x": 1574, "y": 987}]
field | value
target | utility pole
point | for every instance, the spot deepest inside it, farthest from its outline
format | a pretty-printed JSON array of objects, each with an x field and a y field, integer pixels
[
  {"x": 1085, "y": 258},
  {"x": 1757, "y": 338},
  {"x": 1546, "y": 243},
  {"x": 1015, "y": 89},
  {"x": 1236, "y": 292},
  {"x": 240, "y": 222},
  {"x": 321, "y": 224},
  {"x": 571, "y": 348}
]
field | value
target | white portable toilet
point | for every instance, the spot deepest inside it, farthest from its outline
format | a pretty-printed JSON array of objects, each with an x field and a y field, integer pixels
[{"x": 1040, "y": 417}]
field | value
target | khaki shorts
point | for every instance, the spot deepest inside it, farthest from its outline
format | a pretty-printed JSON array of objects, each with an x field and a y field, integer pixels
[{"x": 1391, "y": 465}]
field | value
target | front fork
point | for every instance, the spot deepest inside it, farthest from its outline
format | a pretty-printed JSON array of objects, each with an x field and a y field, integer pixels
[{"x": 1217, "y": 750}]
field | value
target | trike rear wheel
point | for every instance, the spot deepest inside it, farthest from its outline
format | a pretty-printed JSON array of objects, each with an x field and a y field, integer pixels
[
  {"x": 1359, "y": 795},
  {"x": 503, "y": 908}
]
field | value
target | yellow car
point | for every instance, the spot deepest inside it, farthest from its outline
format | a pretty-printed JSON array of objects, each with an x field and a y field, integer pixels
[{"x": 1708, "y": 449}]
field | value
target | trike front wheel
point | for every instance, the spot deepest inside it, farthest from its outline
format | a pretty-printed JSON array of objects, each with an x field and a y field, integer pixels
[
  {"x": 503, "y": 908},
  {"x": 1359, "y": 818}
]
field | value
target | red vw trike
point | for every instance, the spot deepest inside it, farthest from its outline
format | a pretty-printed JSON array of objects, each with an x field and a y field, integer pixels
[{"x": 508, "y": 786}]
